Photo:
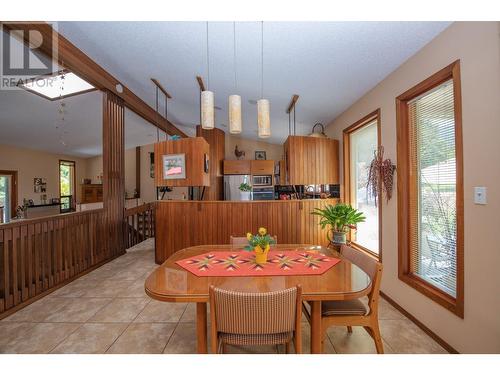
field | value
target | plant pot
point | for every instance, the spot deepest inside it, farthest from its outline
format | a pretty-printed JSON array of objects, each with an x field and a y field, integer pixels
[
  {"x": 245, "y": 195},
  {"x": 261, "y": 254},
  {"x": 339, "y": 238}
]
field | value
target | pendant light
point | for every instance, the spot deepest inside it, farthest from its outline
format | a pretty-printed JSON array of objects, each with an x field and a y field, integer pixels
[
  {"x": 207, "y": 100},
  {"x": 263, "y": 107},
  {"x": 234, "y": 101}
]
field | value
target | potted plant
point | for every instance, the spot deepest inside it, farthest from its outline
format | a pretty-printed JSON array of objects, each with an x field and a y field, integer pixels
[
  {"x": 340, "y": 218},
  {"x": 260, "y": 243},
  {"x": 245, "y": 190}
]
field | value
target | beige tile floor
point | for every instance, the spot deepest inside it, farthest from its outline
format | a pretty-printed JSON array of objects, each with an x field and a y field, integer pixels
[{"x": 107, "y": 311}]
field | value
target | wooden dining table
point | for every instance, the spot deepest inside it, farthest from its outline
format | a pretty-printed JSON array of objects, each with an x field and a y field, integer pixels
[{"x": 172, "y": 283}]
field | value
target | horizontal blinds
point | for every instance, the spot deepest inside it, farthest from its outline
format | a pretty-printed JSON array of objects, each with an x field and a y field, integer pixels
[{"x": 433, "y": 240}]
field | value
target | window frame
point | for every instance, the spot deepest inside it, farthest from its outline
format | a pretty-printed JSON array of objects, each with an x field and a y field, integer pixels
[
  {"x": 407, "y": 180},
  {"x": 61, "y": 162},
  {"x": 375, "y": 115}
]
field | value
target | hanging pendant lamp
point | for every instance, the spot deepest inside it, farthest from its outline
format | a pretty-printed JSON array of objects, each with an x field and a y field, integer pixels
[
  {"x": 207, "y": 100},
  {"x": 263, "y": 106},
  {"x": 234, "y": 101}
]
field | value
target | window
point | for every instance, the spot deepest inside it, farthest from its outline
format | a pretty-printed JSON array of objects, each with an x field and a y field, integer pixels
[
  {"x": 67, "y": 185},
  {"x": 361, "y": 140},
  {"x": 8, "y": 195},
  {"x": 430, "y": 187}
]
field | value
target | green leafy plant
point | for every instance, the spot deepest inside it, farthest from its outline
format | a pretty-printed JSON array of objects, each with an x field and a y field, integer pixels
[
  {"x": 261, "y": 239},
  {"x": 340, "y": 217},
  {"x": 245, "y": 187}
]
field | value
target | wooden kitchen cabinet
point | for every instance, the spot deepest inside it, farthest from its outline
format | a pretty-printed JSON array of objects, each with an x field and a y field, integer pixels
[
  {"x": 236, "y": 166},
  {"x": 262, "y": 167},
  {"x": 311, "y": 160},
  {"x": 91, "y": 193}
]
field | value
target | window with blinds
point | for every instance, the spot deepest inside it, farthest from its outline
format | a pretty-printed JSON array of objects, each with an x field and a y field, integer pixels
[
  {"x": 430, "y": 188},
  {"x": 433, "y": 241}
]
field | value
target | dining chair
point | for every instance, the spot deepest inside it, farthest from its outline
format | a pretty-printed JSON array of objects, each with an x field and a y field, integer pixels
[
  {"x": 255, "y": 319},
  {"x": 354, "y": 312},
  {"x": 242, "y": 241}
]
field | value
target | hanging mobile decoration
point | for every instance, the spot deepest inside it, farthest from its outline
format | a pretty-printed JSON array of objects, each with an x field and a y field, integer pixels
[
  {"x": 380, "y": 176},
  {"x": 61, "y": 125}
]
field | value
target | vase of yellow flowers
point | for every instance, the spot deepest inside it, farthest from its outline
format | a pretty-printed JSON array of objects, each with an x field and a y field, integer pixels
[{"x": 260, "y": 243}]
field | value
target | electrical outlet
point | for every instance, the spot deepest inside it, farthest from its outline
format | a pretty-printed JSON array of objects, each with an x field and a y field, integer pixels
[{"x": 480, "y": 195}]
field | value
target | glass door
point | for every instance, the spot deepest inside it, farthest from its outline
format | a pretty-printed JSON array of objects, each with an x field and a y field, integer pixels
[
  {"x": 67, "y": 185},
  {"x": 7, "y": 195}
]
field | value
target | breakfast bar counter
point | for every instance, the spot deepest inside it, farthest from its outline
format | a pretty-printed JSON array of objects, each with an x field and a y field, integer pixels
[{"x": 181, "y": 224}]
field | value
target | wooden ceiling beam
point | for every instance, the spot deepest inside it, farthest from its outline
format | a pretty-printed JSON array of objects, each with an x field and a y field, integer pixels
[
  {"x": 71, "y": 57},
  {"x": 291, "y": 106},
  {"x": 200, "y": 83},
  {"x": 158, "y": 84}
]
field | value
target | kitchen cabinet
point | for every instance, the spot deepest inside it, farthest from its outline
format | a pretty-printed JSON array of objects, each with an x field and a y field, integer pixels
[
  {"x": 91, "y": 193},
  {"x": 311, "y": 160},
  {"x": 261, "y": 167},
  {"x": 237, "y": 166},
  {"x": 196, "y": 153}
]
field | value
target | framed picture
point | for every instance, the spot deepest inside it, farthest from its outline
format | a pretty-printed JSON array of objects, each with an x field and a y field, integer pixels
[
  {"x": 38, "y": 181},
  {"x": 174, "y": 166},
  {"x": 260, "y": 155}
]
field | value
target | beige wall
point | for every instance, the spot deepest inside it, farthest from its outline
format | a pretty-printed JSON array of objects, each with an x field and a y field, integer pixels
[
  {"x": 31, "y": 164},
  {"x": 273, "y": 151},
  {"x": 478, "y": 48}
]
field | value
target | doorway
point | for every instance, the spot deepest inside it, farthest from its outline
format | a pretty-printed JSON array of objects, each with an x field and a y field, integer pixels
[
  {"x": 67, "y": 182},
  {"x": 8, "y": 195}
]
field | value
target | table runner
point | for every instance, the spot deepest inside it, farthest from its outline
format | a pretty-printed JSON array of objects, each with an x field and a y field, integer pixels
[{"x": 242, "y": 263}]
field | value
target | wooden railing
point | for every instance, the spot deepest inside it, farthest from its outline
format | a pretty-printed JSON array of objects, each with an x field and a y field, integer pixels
[
  {"x": 139, "y": 224},
  {"x": 37, "y": 255}
]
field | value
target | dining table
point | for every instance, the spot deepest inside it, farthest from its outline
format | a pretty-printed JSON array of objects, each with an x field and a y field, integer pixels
[{"x": 172, "y": 283}]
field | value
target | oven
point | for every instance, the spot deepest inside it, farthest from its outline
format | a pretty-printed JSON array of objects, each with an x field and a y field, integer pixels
[
  {"x": 262, "y": 181},
  {"x": 263, "y": 193}
]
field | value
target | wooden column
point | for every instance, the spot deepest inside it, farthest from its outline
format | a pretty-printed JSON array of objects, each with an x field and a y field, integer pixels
[
  {"x": 114, "y": 171},
  {"x": 216, "y": 138}
]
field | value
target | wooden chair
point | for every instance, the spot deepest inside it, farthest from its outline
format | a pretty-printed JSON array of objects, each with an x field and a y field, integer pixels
[
  {"x": 255, "y": 319},
  {"x": 242, "y": 241},
  {"x": 354, "y": 312}
]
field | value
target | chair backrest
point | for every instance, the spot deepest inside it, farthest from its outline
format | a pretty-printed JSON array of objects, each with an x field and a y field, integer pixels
[
  {"x": 255, "y": 313},
  {"x": 242, "y": 241},
  {"x": 368, "y": 264}
]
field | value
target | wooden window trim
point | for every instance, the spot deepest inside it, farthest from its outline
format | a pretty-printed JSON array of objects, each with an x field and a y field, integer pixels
[
  {"x": 455, "y": 305},
  {"x": 375, "y": 115},
  {"x": 62, "y": 161},
  {"x": 13, "y": 175}
]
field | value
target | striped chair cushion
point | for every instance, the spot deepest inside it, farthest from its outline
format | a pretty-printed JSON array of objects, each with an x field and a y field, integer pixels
[
  {"x": 262, "y": 339},
  {"x": 255, "y": 313},
  {"x": 348, "y": 307}
]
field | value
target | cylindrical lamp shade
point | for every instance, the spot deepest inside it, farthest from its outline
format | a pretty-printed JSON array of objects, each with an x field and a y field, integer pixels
[
  {"x": 263, "y": 118},
  {"x": 234, "y": 105},
  {"x": 207, "y": 110}
]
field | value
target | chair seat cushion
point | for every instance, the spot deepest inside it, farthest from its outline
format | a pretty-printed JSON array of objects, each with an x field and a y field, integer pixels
[
  {"x": 263, "y": 339},
  {"x": 348, "y": 307}
]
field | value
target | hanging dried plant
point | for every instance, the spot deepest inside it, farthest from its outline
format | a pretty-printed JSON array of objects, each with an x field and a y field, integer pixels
[{"x": 380, "y": 176}]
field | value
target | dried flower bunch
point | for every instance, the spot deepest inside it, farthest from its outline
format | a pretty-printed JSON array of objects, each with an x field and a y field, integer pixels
[{"x": 380, "y": 176}]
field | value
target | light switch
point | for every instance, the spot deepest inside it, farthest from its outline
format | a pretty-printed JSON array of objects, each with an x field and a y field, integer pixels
[{"x": 480, "y": 195}]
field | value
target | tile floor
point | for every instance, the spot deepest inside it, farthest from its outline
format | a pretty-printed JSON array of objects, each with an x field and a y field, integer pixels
[{"x": 107, "y": 311}]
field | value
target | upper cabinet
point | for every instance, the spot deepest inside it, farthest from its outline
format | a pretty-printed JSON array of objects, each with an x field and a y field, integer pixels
[
  {"x": 262, "y": 167},
  {"x": 311, "y": 160},
  {"x": 183, "y": 162},
  {"x": 236, "y": 166}
]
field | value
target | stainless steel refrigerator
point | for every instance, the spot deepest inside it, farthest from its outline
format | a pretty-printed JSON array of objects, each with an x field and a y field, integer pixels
[{"x": 231, "y": 186}]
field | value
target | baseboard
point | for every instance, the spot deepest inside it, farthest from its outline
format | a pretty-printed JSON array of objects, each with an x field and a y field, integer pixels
[{"x": 450, "y": 349}]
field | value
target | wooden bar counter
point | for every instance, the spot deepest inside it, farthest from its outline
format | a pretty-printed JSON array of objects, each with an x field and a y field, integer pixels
[{"x": 181, "y": 224}]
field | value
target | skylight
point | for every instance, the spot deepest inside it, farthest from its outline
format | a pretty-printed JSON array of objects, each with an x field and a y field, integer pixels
[{"x": 56, "y": 87}]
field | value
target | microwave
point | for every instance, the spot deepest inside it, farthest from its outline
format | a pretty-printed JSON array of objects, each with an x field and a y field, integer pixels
[{"x": 262, "y": 180}]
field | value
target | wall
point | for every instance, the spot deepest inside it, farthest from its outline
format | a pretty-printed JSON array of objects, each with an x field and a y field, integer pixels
[
  {"x": 477, "y": 46},
  {"x": 31, "y": 164},
  {"x": 273, "y": 151}
]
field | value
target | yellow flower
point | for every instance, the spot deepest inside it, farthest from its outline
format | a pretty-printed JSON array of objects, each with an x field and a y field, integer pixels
[
  {"x": 262, "y": 231},
  {"x": 249, "y": 236}
]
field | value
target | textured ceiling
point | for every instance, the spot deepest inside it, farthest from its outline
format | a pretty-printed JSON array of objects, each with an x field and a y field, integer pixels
[{"x": 330, "y": 65}]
